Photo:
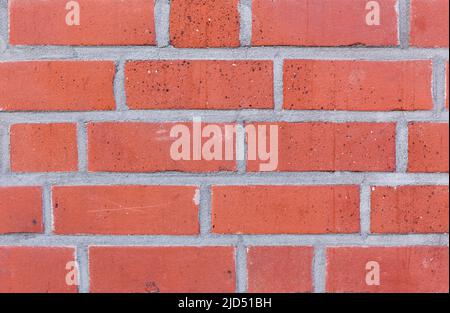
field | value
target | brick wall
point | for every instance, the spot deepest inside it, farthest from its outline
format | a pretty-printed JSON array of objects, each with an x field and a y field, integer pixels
[{"x": 86, "y": 175}]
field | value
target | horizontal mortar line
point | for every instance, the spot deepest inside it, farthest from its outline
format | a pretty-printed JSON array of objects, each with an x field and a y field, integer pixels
[
  {"x": 245, "y": 53},
  {"x": 223, "y": 116},
  {"x": 223, "y": 240},
  {"x": 225, "y": 178}
]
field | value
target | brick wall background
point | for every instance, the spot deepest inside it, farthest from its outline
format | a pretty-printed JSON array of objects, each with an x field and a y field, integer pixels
[{"x": 86, "y": 174}]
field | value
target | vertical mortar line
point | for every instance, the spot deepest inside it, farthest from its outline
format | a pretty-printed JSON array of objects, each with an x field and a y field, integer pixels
[
  {"x": 119, "y": 87},
  {"x": 278, "y": 83},
  {"x": 319, "y": 268},
  {"x": 162, "y": 23},
  {"x": 205, "y": 210},
  {"x": 5, "y": 148},
  {"x": 47, "y": 208},
  {"x": 245, "y": 13},
  {"x": 404, "y": 14},
  {"x": 82, "y": 258},
  {"x": 365, "y": 209},
  {"x": 439, "y": 84},
  {"x": 241, "y": 267},
  {"x": 401, "y": 143},
  {"x": 4, "y": 21},
  {"x": 241, "y": 144},
  {"x": 82, "y": 147},
  {"x": 8, "y": 23}
]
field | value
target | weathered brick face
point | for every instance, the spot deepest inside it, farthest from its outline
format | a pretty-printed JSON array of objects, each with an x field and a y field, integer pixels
[
  {"x": 322, "y": 23},
  {"x": 257, "y": 146},
  {"x": 112, "y": 23}
]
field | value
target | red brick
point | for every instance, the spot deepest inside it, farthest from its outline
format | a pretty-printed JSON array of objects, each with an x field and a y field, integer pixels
[
  {"x": 285, "y": 209},
  {"x": 35, "y": 270},
  {"x": 322, "y": 23},
  {"x": 156, "y": 269},
  {"x": 428, "y": 147},
  {"x": 357, "y": 85},
  {"x": 429, "y": 23},
  {"x": 56, "y": 86},
  {"x": 126, "y": 210},
  {"x": 358, "y": 147},
  {"x": 410, "y": 209},
  {"x": 199, "y": 84},
  {"x": 112, "y": 22},
  {"x": 44, "y": 148},
  {"x": 141, "y": 147},
  {"x": 20, "y": 210},
  {"x": 280, "y": 269},
  {"x": 402, "y": 269},
  {"x": 201, "y": 23}
]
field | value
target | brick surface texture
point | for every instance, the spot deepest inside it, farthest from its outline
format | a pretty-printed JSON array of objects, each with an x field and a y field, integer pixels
[{"x": 95, "y": 94}]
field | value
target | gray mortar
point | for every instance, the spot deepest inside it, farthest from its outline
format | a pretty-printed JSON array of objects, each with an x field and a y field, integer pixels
[
  {"x": 278, "y": 85},
  {"x": 119, "y": 87},
  {"x": 404, "y": 8},
  {"x": 82, "y": 147},
  {"x": 21, "y": 53},
  {"x": 365, "y": 209},
  {"x": 241, "y": 266},
  {"x": 439, "y": 83},
  {"x": 162, "y": 14},
  {"x": 3, "y": 26},
  {"x": 204, "y": 181},
  {"x": 402, "y": 146},
  {"x": 82, "y": 259},
  {"x": 47, "y": 208},
  {"x": 334, "y": 240},
  {"x": 4, "y": 148},
  {"x": 245, "y": 13},
  {"x": 225, "y": 178},
  {"x": 319, "y": 268},
  {"x": 205, "y": 210}
]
